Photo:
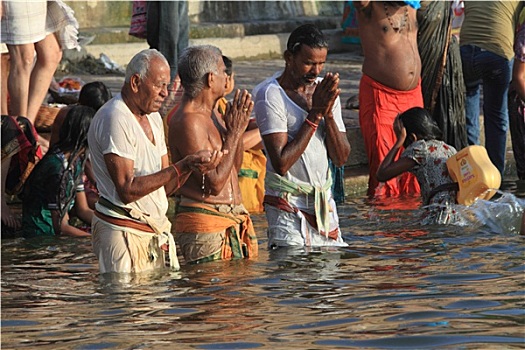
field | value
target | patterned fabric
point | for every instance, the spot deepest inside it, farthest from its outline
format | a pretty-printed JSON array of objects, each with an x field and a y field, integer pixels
[
  {"x": 139, "y": 19},
  {"x": 19, "y": 142},
  {"x": 431, "y": 171},
  {"x": 41, "y": 192},
  {"x": 207, "y": 232},
  {"x": 23, "y": 22},
  {"x": 349, "y": 24},
  {"x": 61, "y": 20},
  {"x": 442, "y": 82},
  {"x": 29, "y": 21},
  {"x": 517, "y": 105}
]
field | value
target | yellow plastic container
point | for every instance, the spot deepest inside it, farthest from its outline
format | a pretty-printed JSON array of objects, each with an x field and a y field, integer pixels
[{"x": 477, "y": 177}]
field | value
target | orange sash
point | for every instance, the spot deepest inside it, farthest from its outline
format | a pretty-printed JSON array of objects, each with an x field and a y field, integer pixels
[{"x": 240, "y": 239}]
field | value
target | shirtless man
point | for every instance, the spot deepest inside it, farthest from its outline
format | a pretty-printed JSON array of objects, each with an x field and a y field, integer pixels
[
  {"x": 211, "y": 223},
  {"x": 390, "y": 83}
]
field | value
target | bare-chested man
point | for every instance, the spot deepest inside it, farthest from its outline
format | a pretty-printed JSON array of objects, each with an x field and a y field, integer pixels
[
  {"x": 390, "y": 83},
  {"x": 211, "y": 222}
]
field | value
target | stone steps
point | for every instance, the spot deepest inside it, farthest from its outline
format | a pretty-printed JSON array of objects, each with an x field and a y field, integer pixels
[{"x": 250, "y": 47}]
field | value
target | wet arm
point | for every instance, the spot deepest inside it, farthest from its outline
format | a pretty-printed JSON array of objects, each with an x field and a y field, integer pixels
[
  {"x": 183, "y": 173},
  {"x": 236, "y": 121},
  {"x": 82, "y": 208},
  {"x": 130, "y": 187},
  {"x": 337, "y": 143},
  {"x": 389, "y": 168},
  {"x": 284, "y": 154},
  {"x": 233, "y": 144},
  {"x": 326, "y": 101},
  {"x": 64, "y": 228},
  {"x": 252, "y": 137}
]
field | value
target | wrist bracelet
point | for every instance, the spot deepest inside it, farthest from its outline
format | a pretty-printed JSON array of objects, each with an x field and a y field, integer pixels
[
  {"x": 311, "y": 124},
  {"x": 178, "y": 174}
]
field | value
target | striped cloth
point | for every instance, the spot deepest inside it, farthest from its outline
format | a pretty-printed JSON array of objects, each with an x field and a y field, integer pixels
[{"x": 29, "y": 21}]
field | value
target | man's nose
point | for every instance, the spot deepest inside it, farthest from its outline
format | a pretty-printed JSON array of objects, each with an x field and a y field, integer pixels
[
  {"x": 317, "y": 68},
  {"x": 164, "y": 91}
]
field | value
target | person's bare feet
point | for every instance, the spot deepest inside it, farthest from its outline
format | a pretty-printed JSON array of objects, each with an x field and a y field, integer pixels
[{"x": 8, "y": 219}]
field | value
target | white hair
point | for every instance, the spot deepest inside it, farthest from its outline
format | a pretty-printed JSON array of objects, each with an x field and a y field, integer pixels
[{"x": 140, "y": 63}]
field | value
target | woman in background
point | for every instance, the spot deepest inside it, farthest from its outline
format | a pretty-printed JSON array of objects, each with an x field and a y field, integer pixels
[{"x": 55, "y": 186}]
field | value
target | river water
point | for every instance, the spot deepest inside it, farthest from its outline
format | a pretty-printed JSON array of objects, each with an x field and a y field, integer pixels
[{"x": 397, "y": 286}]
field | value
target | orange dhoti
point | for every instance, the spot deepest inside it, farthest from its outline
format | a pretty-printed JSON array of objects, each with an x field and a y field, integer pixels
[
  {"x": 207, "y": 232},
  {"x": 379, "y": 106}
]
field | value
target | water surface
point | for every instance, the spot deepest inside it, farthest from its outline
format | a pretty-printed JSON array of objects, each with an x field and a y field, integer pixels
[{"x": 397, "y": 286}]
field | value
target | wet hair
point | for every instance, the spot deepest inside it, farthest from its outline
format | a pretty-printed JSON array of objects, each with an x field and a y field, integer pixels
[
  {"x": 229, "y": 65},
  {"x": 307, "y": 34},
  {"x": 73, "y": 133},
  {"x": 72, "y": 139},
  {"x": 195, "y": 63},
  {"x": 140, "y": 63},
  {"x": 94, "y": 95},
  {"x": 419, "y": 122}
]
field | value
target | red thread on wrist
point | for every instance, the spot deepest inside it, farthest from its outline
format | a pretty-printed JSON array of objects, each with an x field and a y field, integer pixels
[
  {"x": 311, "y": 124},
  {"x": 178, "y": 174}
]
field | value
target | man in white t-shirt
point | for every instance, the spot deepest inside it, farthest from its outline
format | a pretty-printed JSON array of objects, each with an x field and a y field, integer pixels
[
  {"x": 299, "y": 117},
  {"x": 132, "y": 171}
]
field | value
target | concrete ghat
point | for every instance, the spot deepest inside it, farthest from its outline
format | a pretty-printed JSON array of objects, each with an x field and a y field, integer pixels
[{"x": 251, "y": 47}]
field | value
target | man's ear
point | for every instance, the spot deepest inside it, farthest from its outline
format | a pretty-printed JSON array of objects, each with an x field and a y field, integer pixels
[
  {"x": 211, "y": 79},
  {"x": 287, "y": 57},
  {"x": 229, "y": 82},
  {"x": 135, "y": 82}
]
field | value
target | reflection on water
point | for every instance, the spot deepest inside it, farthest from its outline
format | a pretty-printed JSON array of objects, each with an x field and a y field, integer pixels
[{"x": 398, "y": 285}]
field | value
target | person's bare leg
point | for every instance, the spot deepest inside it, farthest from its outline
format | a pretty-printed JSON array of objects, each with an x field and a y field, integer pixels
[
  {"x": 22, "y": 57},
  {"x": 4, "y": 75},
  {"x": 7, "y": 216},
  {"x": 48, "y": 56}
]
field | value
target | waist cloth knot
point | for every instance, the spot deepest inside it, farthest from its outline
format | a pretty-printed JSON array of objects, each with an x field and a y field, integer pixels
[
  {"x": 142, "y": 225},
  {"x": 209, "y": 232},
  {"x": 320, "y": 193}
]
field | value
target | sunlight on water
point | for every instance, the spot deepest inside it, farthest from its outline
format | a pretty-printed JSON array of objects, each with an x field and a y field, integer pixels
[{"x": 397, "y": 285}]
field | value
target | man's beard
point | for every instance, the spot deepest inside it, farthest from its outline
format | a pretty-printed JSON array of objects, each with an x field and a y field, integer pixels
[{"x": 309, "y": 79}]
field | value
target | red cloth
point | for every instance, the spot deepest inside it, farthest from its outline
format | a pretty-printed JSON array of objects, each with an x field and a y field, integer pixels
[
  {"x": 379, "y": 106},
  {"x": 139, "y": 19},
  {"x": 19, "y": 141}
]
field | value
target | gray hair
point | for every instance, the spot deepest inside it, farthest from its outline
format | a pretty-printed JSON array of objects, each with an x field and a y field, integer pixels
[
  {"x": 195, "y": 62},
  {"x": 140, "y": 63}
]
